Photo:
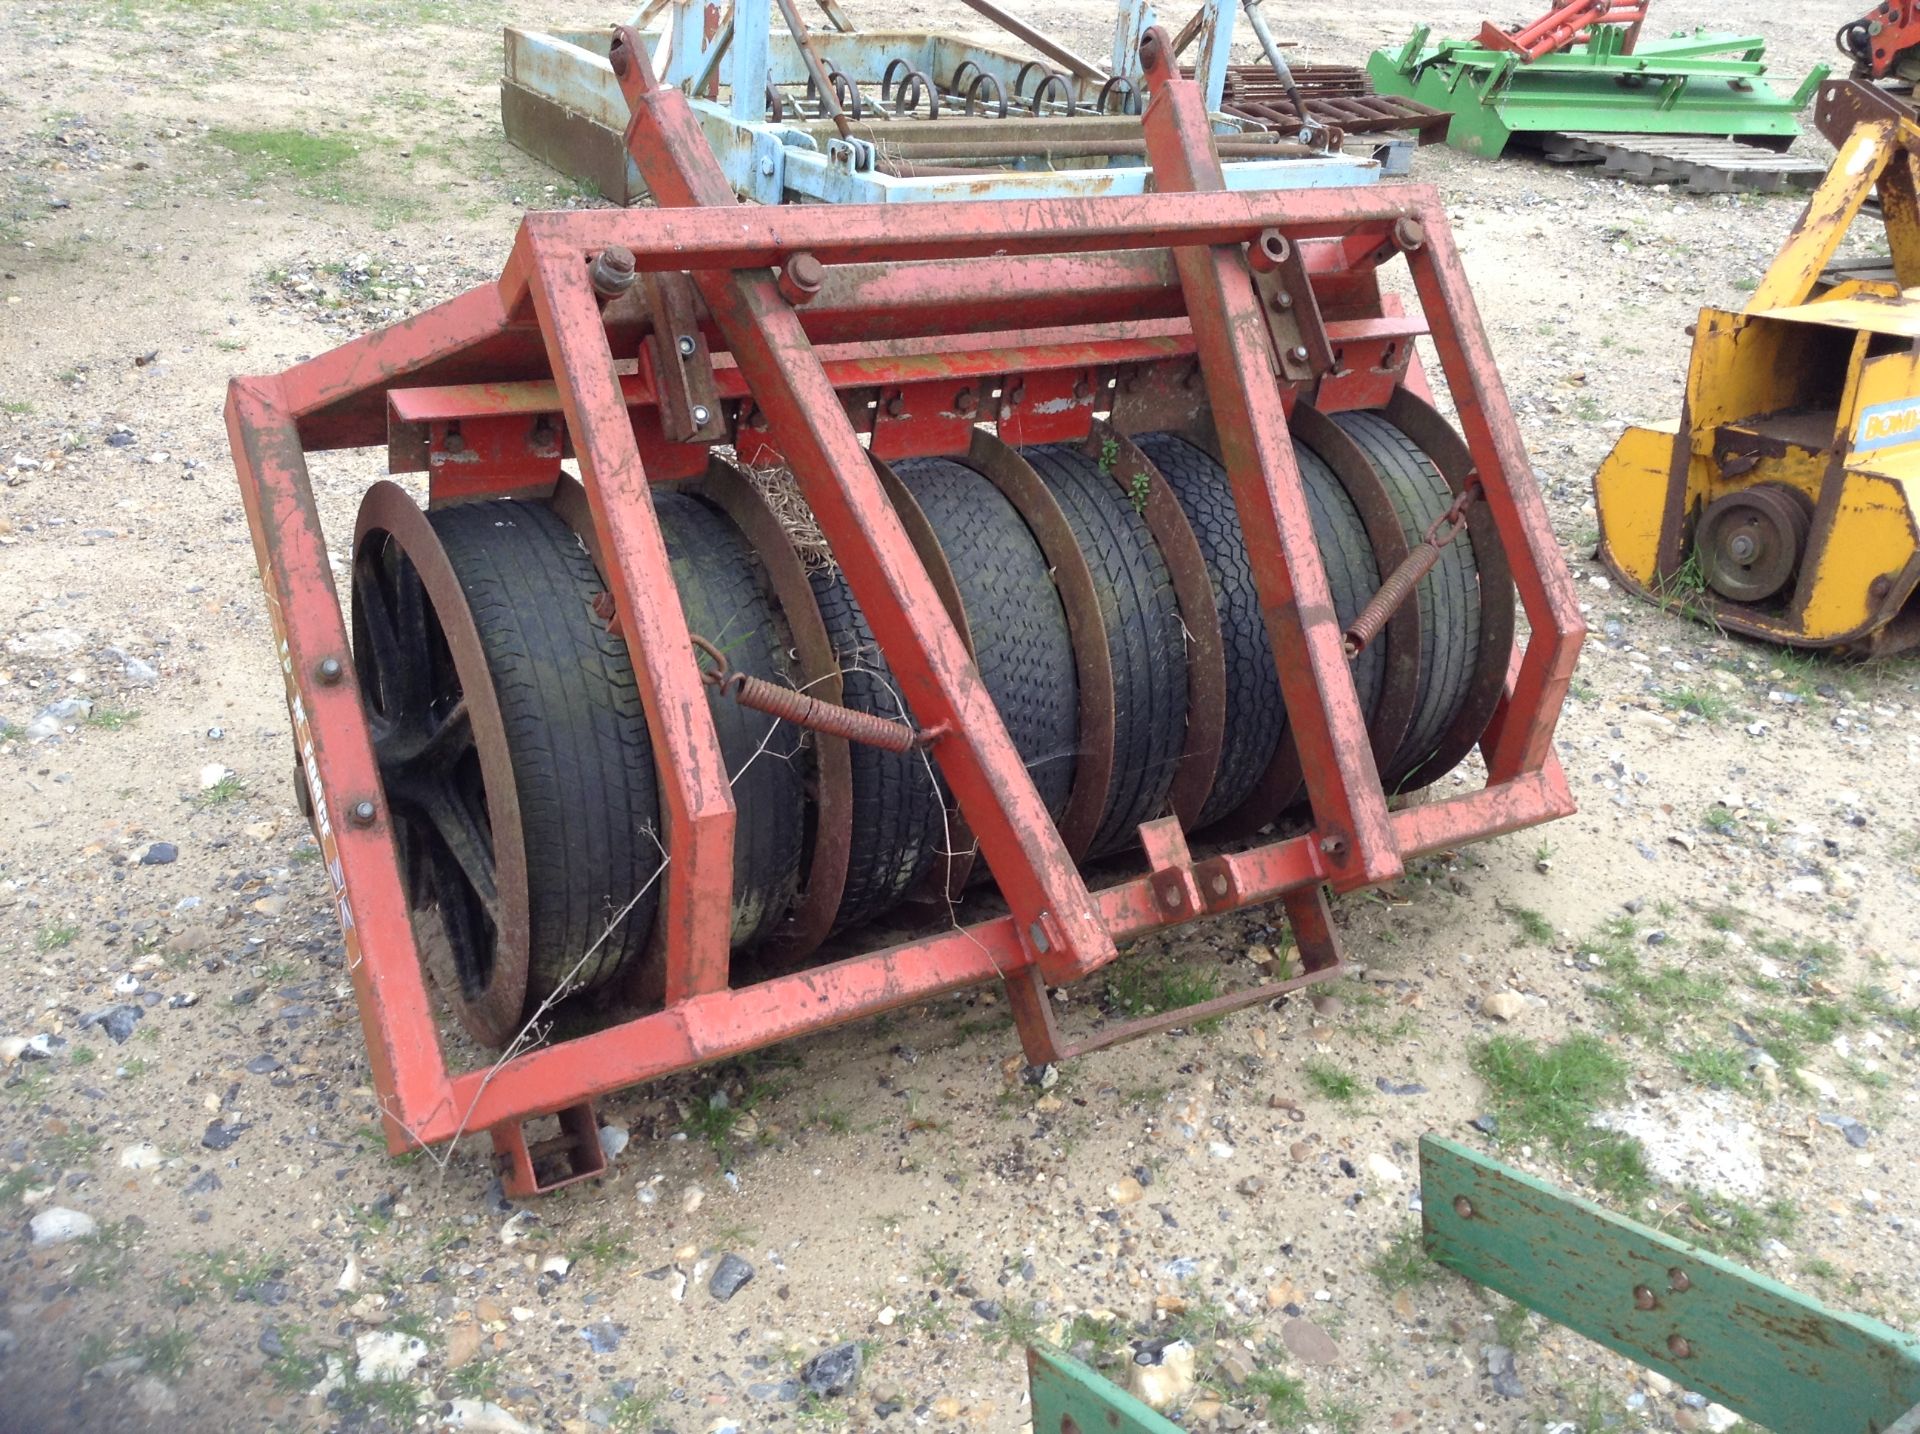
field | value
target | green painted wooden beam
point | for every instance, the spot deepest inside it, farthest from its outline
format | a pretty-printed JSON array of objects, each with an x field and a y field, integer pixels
[
  {"x": 1771, "y": 1354},
  {"x": 1069, "y": 1398}
]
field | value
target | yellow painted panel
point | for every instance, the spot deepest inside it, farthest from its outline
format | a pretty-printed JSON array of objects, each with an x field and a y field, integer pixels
[
  {"x": 1630, "y": 493},
  {"x": 1865, "y": 313},
  {"x": 1744, "y": 367},
  {"x": 1885, "y": 414},
  {"x": 1873, "y": 536},
  {"x": 1799, "y": 468}
]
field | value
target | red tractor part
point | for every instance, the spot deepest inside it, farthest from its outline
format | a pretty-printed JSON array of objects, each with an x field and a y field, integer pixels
[
  {"x": 1879, "y": 41},
  {"x": 966, "y": 395},
  {"x": 1565, "y": 26}
]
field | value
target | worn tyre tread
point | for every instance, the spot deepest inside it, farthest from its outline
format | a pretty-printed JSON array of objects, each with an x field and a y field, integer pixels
[
  {"x": 576, "y": 734},
  {"x": 726, "y": 599},
  {"x": 898, "y": 825},
  {"x": 1146, "y": 643},
  {"x": 1449, "y": 596},
  {"x": 1022, "y": 646}
]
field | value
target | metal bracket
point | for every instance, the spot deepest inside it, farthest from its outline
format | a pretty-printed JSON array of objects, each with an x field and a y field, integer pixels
[
  {"x": 1292, "y": 312},
  {"x": 855, "y": 156},
  {"x": 578, "y": 1144},
  {"x": 682, "y": 365}
]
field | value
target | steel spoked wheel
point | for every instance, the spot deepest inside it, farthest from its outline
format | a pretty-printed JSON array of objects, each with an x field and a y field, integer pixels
[{"x": 431, "y": 709}]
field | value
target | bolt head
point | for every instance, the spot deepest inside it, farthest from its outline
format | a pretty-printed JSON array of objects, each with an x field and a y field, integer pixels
[
  {"x": 1298, "y": 353},
  {"x": 686, "y": 346},
  {"x": 1463, "y": 1207},
  {"x": 701, "y": 414},
  {"x": 331, "y": 670},
  {"x": 1678, "y": 1347},
  {"x": 361, "y": 814},
  {"x": 1643, "y": 1297}
]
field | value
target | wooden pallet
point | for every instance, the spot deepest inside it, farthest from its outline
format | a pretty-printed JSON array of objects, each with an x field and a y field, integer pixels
[{"x": 1699, "y": 164}]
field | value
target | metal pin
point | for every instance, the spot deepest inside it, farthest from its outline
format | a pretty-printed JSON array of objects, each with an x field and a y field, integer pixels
[
  {"x": 330, "y": 670},
  {"x": 361, "y": 814}
]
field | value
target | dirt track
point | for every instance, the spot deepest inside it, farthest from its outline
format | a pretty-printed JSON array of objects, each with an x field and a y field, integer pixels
[{"x": 193, "y": 191}]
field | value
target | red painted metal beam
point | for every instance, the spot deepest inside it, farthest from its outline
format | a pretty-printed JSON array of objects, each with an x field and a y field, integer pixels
[{"x": 1237, "y": 360}]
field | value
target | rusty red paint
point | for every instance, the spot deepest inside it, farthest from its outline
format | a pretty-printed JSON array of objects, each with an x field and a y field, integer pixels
[{"x": 913, "y": 307}]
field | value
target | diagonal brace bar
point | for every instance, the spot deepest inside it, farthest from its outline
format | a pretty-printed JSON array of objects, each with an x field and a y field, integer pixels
[
  {"x": 1053, "y": 912},
  {"x": 1237, "y": 362}
]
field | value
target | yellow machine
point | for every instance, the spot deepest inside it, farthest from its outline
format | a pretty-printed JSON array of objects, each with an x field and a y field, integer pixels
[{"x": 1785, "y": 502}]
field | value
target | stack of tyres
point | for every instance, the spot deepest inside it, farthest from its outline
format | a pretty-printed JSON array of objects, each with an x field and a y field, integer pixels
[{"x": 1103, "y": 619}]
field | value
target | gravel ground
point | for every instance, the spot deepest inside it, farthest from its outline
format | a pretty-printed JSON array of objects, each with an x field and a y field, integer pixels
[{"x": 1718, "y": 951}]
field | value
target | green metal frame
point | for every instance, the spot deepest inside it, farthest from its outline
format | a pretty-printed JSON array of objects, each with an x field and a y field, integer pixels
[
  {"x": 1702, "y": 83},
  {"x": 1069, "y": 1398},
  {"x": 1769, "y": 1353}
]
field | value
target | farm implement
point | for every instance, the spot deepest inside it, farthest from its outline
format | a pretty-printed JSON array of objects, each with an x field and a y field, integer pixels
[
  {"x": 850, "y": 116},
  {"x": 944, "y": 597},
  {"x": 1785, "y": 501},
  {"x": 1584, "y": 84}
]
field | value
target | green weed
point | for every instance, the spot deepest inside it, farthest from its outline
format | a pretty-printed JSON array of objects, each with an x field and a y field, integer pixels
[
  {"x": 1341, "y": 1087},
  {"x": 1548, "y": 1094},
  {"x": 55, "y": 936},
  {"x": 1405, "y": 1264}
]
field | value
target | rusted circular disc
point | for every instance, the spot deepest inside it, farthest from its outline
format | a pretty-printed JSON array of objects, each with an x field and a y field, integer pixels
[
  {"x": 1750, "y": 541},
  {"x": 392, "y": 527},
  {"x": 948, "y": 878},
  {"x": 1435, "y": 437},
  {"x": 1193, "y": 591},
  {"x": 1003, "y": 466},
  {"x": 810, "y": 917}
]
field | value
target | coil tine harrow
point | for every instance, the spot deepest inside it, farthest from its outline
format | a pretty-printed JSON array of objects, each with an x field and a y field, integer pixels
[{"x": 852, "y": 346}]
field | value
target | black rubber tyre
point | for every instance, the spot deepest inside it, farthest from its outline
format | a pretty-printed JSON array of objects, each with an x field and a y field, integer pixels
[
  {"x": 1021, "y": 643},
  {"x": 1145, "y": 640},
  {"x": 1449, "y": 596},
  {"x": 899, "y": 823},
  {"x": 1352, "y": 573},
  {"x": 576, "y": 735},
  {"x": 1255, "y": 715},
  {"x": 727, "y": 602}
]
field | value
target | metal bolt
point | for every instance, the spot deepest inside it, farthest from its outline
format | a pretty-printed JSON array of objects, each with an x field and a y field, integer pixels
[
  {"x": 1219, "y": 884},
  {"x": 1678, "y": 1282},
  {"x": 1170, "y": 897},
  {"x": 1335, "y": 847},
  {"x": 613, "y": 272},
  {"x": 331, "y": 670},
  {"x": 1678, "y": 1347},
  {"x": 1463, "y": 1207},
  {"x": 1409, "y": 234},
  {"x": 1282, "y": 300},
  {"x": 361, "y": 814},
  {"x": 1643, "y": 1297},
  {"x": 1037, "y": 934},
  {"x": 1879, "y": 587},
  {"x": 686, "y": 346},
  {"x": 896, "y": 406},
  {"x": 701, "y": 413},
  {"x": 1298, "y": 353},
  {"x": 965, "y": 402},
  {"x": 801, "y": 277},
  {"x": 1743, "y": 547}
]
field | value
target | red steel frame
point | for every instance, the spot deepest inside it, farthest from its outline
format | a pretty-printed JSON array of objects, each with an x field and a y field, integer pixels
[
  {"x": 1565, "y": 26},
  {"x": 487, "y": 391}
]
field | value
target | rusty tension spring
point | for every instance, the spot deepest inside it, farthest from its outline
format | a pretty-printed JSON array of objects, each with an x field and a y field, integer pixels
[
  {"x": 788, "y": 704},
  {"x": 1404, "y": 579}
]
